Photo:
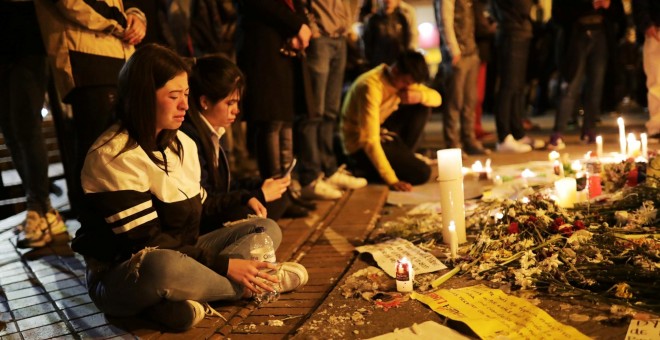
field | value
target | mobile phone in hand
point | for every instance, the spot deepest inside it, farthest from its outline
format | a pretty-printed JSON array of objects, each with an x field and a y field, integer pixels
[{"x": 288, "y": 170}]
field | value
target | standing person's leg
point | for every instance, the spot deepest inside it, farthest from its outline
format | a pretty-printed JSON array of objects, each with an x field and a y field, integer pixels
[
  {"x": 504, "y": 96},
  {"x": 93, "y": 111},
  {"x": 331, "y": 109},
  {"x": 451, "y": 114},
  {"x": 571, "y": 85},
  {"x": 481, "y": 94},
  {"x": 308, "y": 128},
  {"x": 22, "y": 91},
  {"x": 593, "y": 90},
  {"x": 516, "y": 83},
  {"x": 286, "y": 146},
  {"x": 267, "y": 146},
  {"x": 468, "y": 138},
  {"x": 651, "y": 61}
]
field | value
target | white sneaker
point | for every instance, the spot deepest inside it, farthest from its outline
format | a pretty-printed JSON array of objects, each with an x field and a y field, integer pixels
[
  {"x": 343, "y": 179},
  {"x": 536, "y": 144},
  {"x": 320, "y": 190},
  {"x": 178, "y": 316},
  {"x": 292, "y": 276},
  {"x": 510, "y": 144}
]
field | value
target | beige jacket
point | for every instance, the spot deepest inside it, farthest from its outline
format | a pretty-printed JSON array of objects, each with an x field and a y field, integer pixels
[{"x": 83, "y": 41}]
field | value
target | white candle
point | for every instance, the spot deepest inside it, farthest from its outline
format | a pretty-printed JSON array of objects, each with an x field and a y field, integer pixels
[
  {"x": 453, "y": 240},
  {"x": 566, "y": 189},
  {"x": 622, "y": 128},
  {"x": 599, "y": 146},
  {"x": 452, "y": 197},
  {"x": 622, "y": 146},
  {"x": 645, "y": 145},
  {"x": 634, "y": 146},
  {"x": 405, "y": 275}
]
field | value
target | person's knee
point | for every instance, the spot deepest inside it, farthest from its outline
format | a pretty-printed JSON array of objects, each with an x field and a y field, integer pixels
[
  {"x": 419, "y": 174},
  {"x": 155, "y": 265},
  {"x": 272, "y": 229}
]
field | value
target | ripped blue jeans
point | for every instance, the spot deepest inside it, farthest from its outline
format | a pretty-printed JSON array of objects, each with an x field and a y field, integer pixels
[{"x": 155, "y": 275}]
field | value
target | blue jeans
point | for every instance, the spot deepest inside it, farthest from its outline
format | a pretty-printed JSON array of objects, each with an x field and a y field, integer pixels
[
  {"x": 22, "y": 90},
  {"x": 512, "y": 61},
  {"x": 588, "y": 55},
  {"x": 155, "y": 275},
  {"x": 326, "y": 60},
  {"x": 461, "y": 103}
]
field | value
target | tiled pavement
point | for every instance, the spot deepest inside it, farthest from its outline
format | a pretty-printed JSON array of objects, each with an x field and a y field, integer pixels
[{"x": 43, "y": 293}]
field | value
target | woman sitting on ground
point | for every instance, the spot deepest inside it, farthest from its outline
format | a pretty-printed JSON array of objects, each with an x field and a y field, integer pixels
[
  {"x": 216, "y": 85},
  {"x": 140, "y": 231}
]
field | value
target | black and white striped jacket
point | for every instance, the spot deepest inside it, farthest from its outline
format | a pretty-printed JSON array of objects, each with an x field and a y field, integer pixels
[{"x": 133, "y": 204}]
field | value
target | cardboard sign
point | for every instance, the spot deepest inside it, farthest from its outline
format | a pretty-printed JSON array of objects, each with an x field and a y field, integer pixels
[
  {"x": 643, "y": 330},
  {"x": 491, "y": 313},
  {"x": 387, "y": 253}
]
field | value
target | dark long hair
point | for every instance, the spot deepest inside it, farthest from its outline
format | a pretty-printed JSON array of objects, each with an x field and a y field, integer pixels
[
  {"x": 214, "y": 77},
  {"x": 146, "y": 71}
]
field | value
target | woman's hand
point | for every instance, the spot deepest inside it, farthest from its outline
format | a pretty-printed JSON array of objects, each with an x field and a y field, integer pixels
[
  {"x": 274, "y": 188},
  {"x": 258, "y": 208},
  {"x": 135, "y": 30},
  {"x": 248, "y": 273}
]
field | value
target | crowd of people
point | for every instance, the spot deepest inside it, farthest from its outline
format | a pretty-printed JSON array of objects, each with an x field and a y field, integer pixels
[{"x": 172, "y": 102}]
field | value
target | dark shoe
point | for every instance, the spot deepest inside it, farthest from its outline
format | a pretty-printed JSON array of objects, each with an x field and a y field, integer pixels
[
  {"x": 588, "y": 137},
  {"x": 296, "y": 199},
  {"x": 295, "y": 211},
  {"x": 475, "y": 149}
]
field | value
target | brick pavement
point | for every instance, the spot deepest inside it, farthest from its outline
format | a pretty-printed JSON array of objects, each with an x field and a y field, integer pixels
[{"x": 44, "y": 296}]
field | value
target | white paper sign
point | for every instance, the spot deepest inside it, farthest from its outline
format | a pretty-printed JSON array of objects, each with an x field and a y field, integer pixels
[
  {"x": 387, "y": 253},
  {"x": 644, "y": 330}
]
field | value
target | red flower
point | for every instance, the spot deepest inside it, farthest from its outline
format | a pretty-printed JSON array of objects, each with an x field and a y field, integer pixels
[
  {"x": 513, "y": 228},
  {"x": 579, "y": 225},
  {"x": 559, "y": 221},
  {"x": 567, "y": 231}
]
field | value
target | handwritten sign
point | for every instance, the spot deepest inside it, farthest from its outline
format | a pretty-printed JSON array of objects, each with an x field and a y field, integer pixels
[
  {"x": 387, "y": 253},
  {"x": 491, "y": 313},
  {"x": 643, "y": 330}
]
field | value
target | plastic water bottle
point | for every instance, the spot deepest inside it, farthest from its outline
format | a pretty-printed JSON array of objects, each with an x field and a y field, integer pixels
[{"x": 261, "y": 248}]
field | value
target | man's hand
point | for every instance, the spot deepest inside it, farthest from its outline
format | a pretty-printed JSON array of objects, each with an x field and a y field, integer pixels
[
  {"x": 455, "y": 59},
  {"x": 604, "y": 4},
  {"x": 135, "y": 30},
  {"x": 301, "y": 41},
  {"x": 258, "y": 208},
  {"x": 653, "y": 32},
  {"x": 410, "y": 96},
  {"x": 401, "y": 186}
]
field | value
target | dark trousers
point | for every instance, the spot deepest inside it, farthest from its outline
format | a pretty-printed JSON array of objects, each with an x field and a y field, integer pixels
[
  {"x": 587, "y": 54},
  {"x": 93, "y": 112},
  {"x": 22, "y": 91},
  {"x": 408, "y": 123},
  {"x": 273, "y": 146},
  {"x": 512, "y": 62}
]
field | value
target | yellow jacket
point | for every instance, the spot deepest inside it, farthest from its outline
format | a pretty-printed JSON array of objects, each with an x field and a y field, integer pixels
[{"x": 369, "y": 101}]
